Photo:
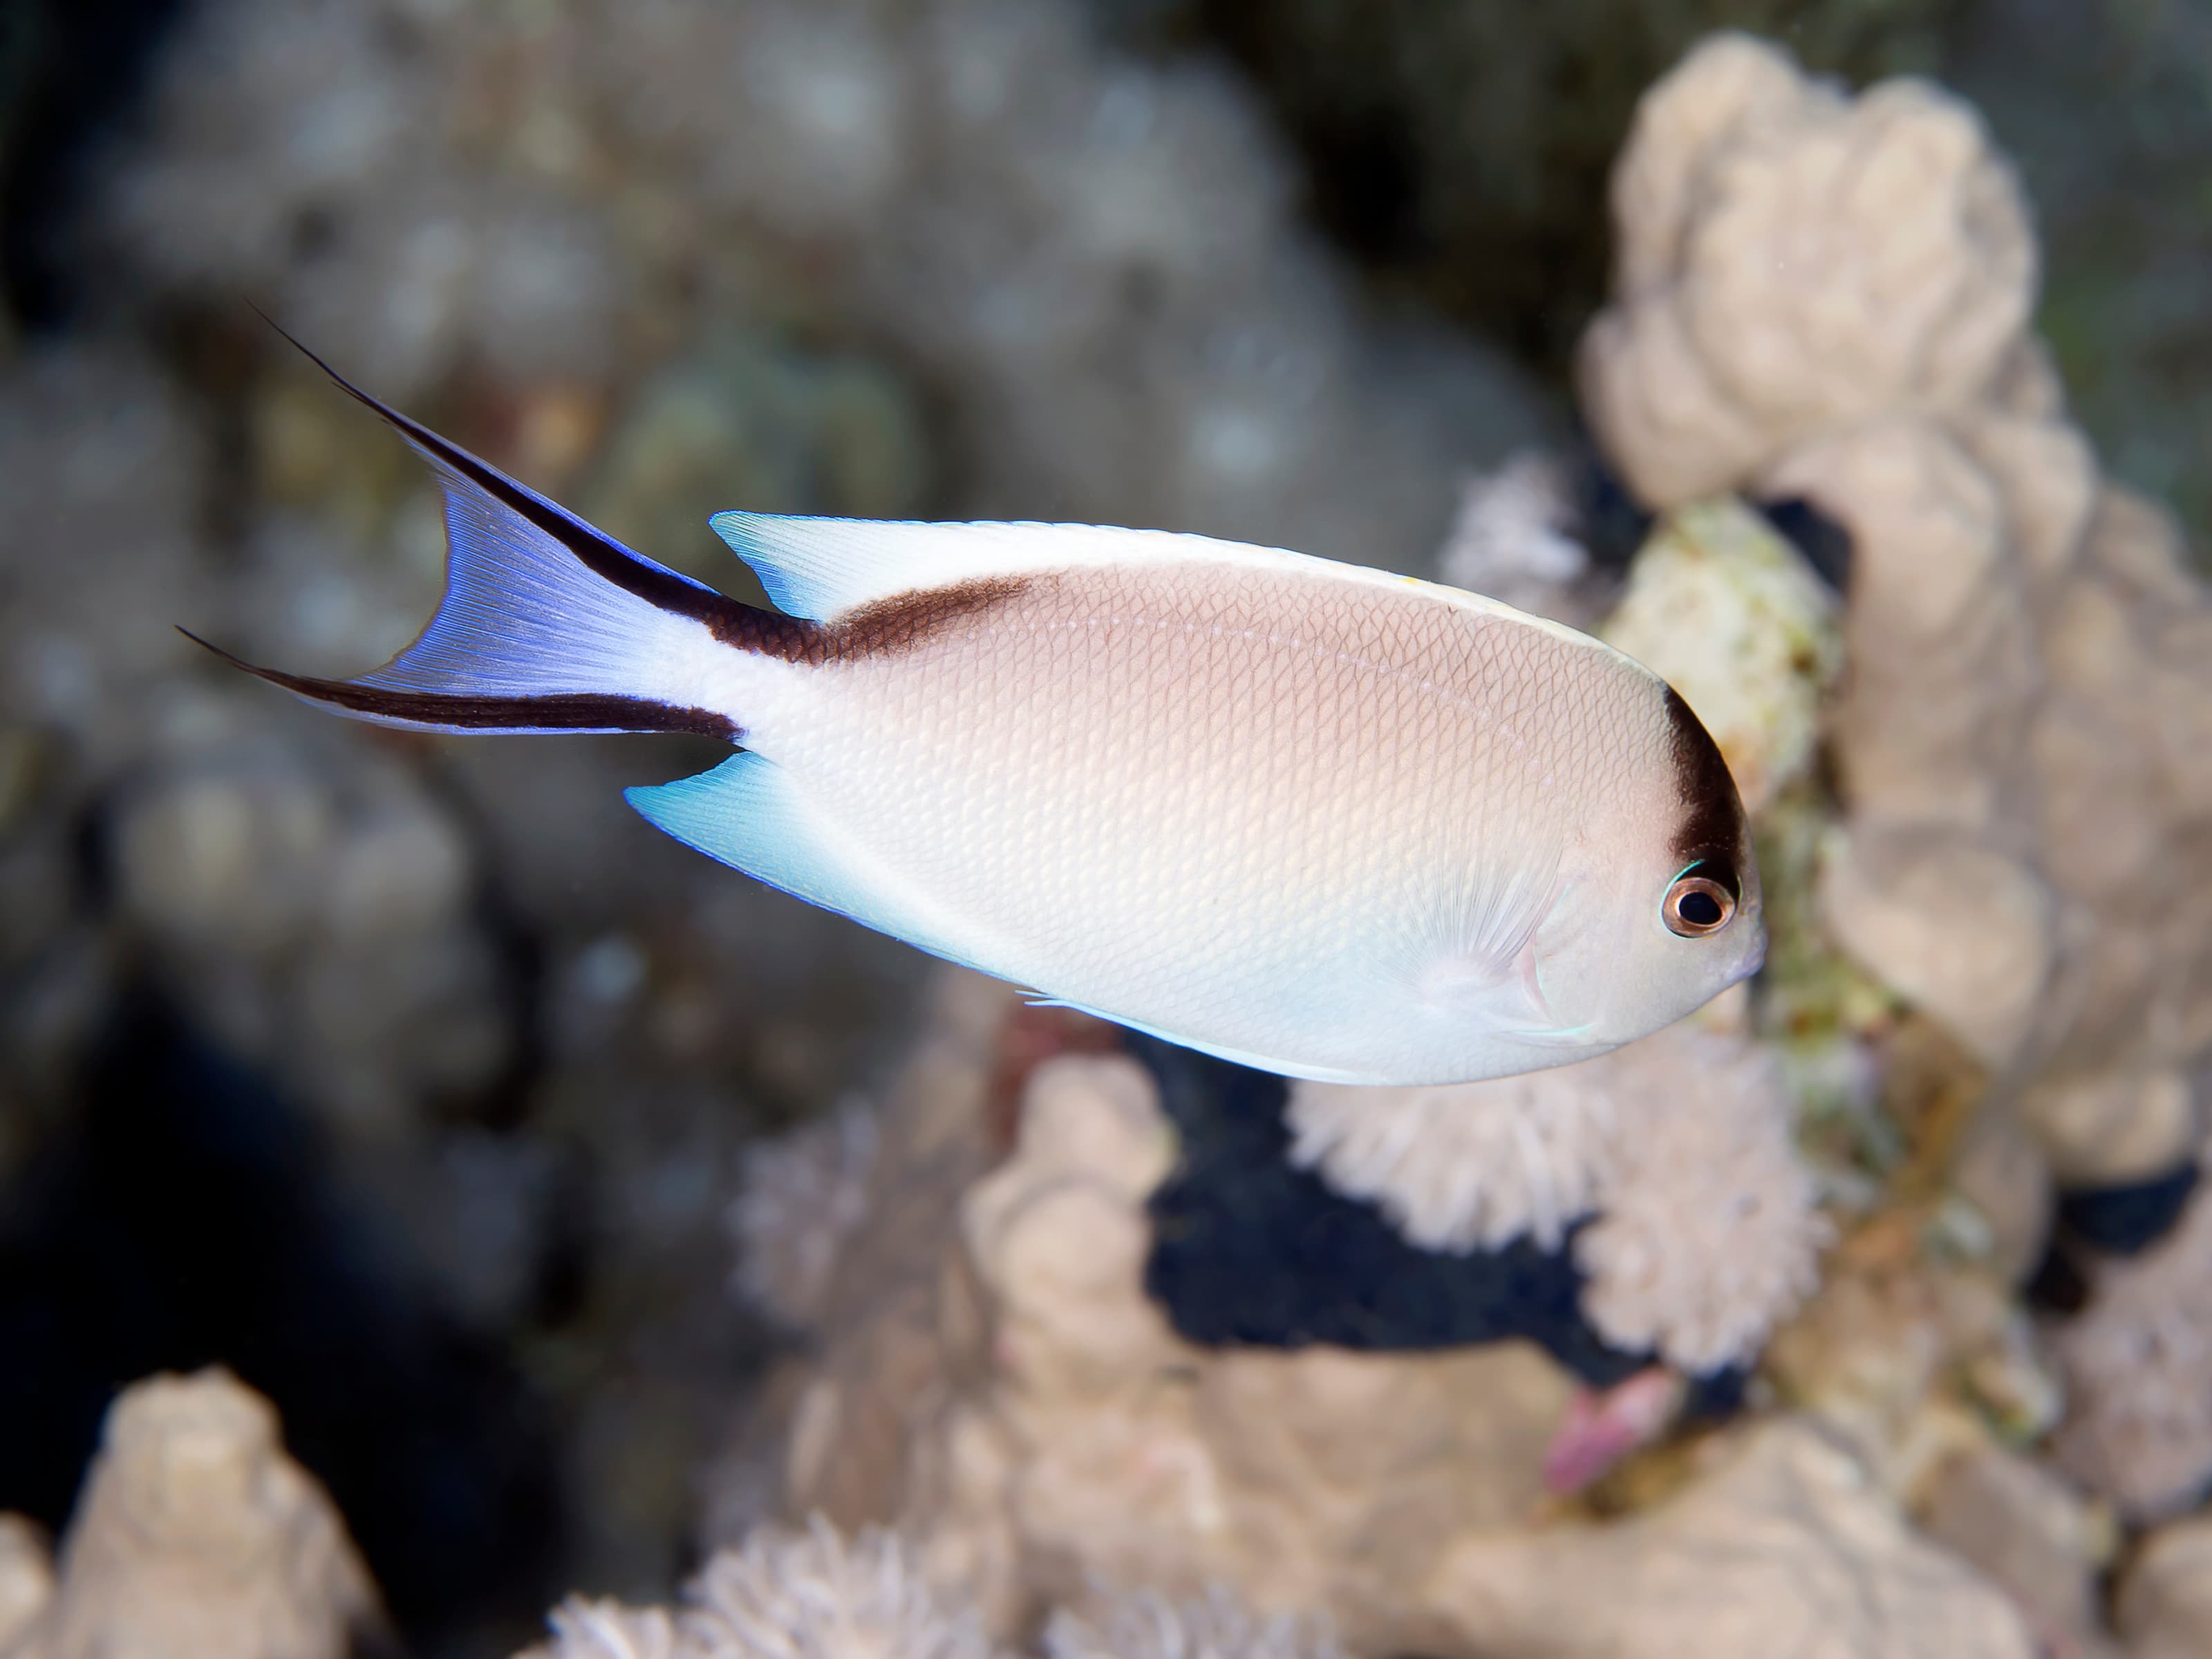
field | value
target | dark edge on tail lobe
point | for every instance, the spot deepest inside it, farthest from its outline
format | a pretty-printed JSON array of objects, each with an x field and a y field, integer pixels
[
  {"x": 1712, "y": 827},
  {"x": 565, "y": 711},
  {"x": 884, "y": 629},
  {"x": 769, "y": 632}
]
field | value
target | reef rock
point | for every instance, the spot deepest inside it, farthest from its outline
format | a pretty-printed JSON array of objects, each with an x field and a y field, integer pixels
[
  {"x": 1828, "y": 299},
  {"x": 196, "y": 1534},
  {"x": 26, "y": 1575},
  {"x": 1790, "y": 261},
  {"x": 1910, "y": 1358},
  {"x": 2164, "y": 1604},
  {"x": 1785, "y": 1546},
  {"x": 2031, "y": 1530},
  {"x": 1730, "y": 615},
  {"x": 317, "y": 906},
  {"x": 2137, "y": 1362}
]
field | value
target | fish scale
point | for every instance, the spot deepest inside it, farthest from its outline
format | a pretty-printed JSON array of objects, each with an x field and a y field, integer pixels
[{"x": 1238, "y": 785}]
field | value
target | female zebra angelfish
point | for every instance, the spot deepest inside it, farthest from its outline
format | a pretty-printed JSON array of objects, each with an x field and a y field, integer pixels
[{"x": 1302, "y": 815}]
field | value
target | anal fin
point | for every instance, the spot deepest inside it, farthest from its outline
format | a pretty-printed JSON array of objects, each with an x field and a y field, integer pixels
[{"x": 749, "y": 814}]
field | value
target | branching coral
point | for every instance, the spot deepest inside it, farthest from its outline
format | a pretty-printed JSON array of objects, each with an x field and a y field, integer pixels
[
  {"x": 1474, "y": 1165},
  {"x": 810, "y": 1594},
  {"x": 1789, "y": 262},
  {"x": 1095, "y": 256},
  {"x": 1783, "y": 1543},
  {"x": 1061, "y": 1429},
  {"x": 798, "y": 1199},
  {"x": 1828, "y": 298},
  {"x": 1715, "y": 1237},
  {"x": 88, "y": 632},
  {"x": 2029, "y": 1529},
  {"x": 1706, "y": 1231},
  {"x": 346, "y": 208},
  {"x": 1515, "y": 538},
  {"x": 196, "y": 1533},
  {"x": 316, "y": 905},
  {"x": 813, "y": 1595},
  {"x": 1092, "y": 258}
]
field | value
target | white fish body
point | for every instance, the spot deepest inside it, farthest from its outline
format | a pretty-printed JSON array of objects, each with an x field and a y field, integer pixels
[{"x": 1307, "y": 816}]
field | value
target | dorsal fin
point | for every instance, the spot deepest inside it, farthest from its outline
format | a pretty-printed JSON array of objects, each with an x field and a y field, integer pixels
[{"x": 822, "y": 568}]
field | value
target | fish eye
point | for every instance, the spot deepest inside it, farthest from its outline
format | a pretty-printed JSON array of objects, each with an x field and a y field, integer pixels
[{"x": 1697, "y": 904}]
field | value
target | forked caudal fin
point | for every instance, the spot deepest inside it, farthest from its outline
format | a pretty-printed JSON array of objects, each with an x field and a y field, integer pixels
[{"x": 546, "y": 624}]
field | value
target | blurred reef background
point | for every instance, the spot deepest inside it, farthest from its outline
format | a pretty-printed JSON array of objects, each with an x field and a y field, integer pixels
[{"x": 506, "y": 1201}]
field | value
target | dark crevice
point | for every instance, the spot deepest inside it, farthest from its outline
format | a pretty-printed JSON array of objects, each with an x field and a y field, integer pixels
[
  {"x": 2128, "y": 1219},
  {"x": 1248, "y": 1251},
  {"x": 71, "y": 73},
  {"x": 190, "y": 1216}
]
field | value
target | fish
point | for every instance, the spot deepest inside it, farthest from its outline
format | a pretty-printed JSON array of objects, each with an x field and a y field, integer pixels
[{"x": 1313, "y": 817}]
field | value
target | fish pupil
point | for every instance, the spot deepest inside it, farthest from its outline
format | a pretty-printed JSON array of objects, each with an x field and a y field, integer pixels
[{"x": 1700, "y": 909}]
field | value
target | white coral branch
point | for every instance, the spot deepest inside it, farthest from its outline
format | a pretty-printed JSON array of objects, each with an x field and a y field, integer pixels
[
  {"x": 814, "y": 1594},
  {"x": 799, "y": 1199},
  {"x": 1214, "y": 1625},
  {"x": 1712, "y": 1234}
]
